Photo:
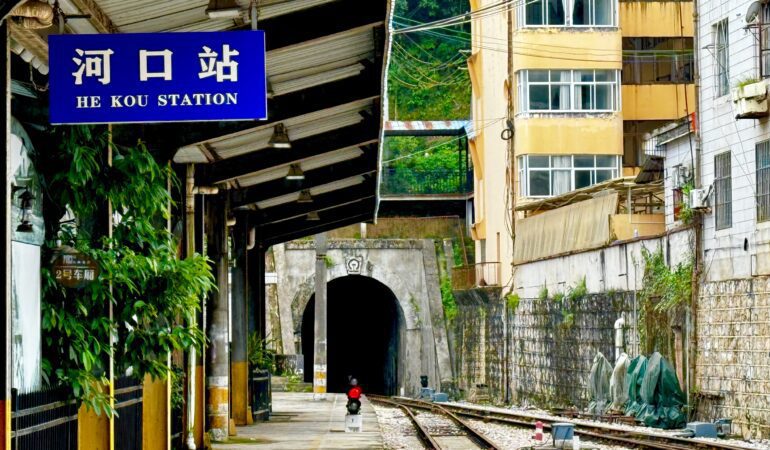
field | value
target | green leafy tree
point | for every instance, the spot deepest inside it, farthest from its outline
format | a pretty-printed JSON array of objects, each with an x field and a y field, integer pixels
[{"x": 148, "y": 287}]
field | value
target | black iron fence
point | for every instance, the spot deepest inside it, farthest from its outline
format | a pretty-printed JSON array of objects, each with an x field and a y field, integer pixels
[
  {"x": 128, "y": 423},
  {"x": 402, "y": 181},
  {"x": 44, "y": 420}
]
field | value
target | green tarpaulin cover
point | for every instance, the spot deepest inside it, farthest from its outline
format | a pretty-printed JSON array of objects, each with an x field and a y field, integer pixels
[
  {"x": 654, "y": 396},
  {"x": 599, "y": 385}
]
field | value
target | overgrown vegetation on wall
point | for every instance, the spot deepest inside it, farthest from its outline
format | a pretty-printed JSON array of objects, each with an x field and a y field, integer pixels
[
  {"x": 141, "y": 280},
  {"x": 666, "y": 294}
]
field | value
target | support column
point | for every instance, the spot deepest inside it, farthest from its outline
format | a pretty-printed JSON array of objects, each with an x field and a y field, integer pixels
[
  {"x": 5, "y": 242},
  {"x": 239, "y": 365},
  {"x": 319, "y": 348},
  {"x": 218, "y": 380}
]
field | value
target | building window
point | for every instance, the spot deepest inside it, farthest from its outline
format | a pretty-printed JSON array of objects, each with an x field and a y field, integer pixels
[
  {"x": 545, "y": 12},
  {"x": 722, "y": 58},
  {"x": 568, "y": 91},
  {"x": 678, "y": 198},
  {"x": 549, "y": 175},
  {"x": 652, "y": 60},
  {"x": 723, "y": 191},
  {"x": 560, "y": 13},
  {"x": 763, "y": 181}
]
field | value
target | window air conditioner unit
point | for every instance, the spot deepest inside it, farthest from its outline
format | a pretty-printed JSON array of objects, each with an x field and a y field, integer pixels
[{"x": 699, "y": 198}]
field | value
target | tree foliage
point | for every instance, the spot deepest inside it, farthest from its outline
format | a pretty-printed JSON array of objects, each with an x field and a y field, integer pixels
[
  {"x": 428, "y": 77},
  {"x": 141, "y": 276}
]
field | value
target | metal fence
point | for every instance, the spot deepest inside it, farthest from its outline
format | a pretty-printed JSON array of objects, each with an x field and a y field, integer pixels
[
  {"x": 476, "y": 275},
  {"x": 44, "y": 420},
  {"x": 398, "y": 181},
  {"x": 128, "y": 423}
]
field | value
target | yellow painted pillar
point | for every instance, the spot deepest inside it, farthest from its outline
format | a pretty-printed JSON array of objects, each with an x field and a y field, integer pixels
[
  {"x": 155, "y": 429},
  {"x": 239, "y": 366},
  {"x": 93, "y": 430}
]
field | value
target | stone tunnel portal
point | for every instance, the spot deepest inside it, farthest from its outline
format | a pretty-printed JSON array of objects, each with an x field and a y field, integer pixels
[{"x": 365, "y": 333}]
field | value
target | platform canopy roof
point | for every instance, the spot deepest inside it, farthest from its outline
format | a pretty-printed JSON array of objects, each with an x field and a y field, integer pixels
[{"x": 326, "y": 62}]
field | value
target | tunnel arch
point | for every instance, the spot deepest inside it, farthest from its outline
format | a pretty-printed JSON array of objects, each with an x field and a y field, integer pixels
[
  {"x": 366, "y": 335},
  {"x": 403, "y": 291}
]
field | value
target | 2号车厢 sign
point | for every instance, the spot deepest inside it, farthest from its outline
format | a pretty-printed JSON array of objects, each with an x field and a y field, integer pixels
[
  {"x": 157, "y": 77},
  {"x": 75, "y": 270}
]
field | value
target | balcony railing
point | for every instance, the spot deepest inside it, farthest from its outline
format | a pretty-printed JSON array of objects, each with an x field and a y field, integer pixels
[
  {"x": 426, "y": 182},
  {"x": 477, "y": 275}
]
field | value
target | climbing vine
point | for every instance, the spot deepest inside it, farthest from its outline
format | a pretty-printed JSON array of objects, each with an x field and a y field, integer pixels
[
  {"x": 665, "y": 294},
  {"x": 140, "y": 275}
]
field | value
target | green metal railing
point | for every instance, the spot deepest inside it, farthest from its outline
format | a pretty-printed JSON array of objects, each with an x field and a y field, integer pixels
[{"x": 426, "y": 182}]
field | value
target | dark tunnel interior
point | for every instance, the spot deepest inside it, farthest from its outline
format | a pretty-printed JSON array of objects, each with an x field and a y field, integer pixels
[{"x": 363, "y": 335}]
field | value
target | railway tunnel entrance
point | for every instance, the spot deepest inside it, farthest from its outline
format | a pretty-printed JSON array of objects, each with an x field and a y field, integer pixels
[{"x": 365, "y": 335}]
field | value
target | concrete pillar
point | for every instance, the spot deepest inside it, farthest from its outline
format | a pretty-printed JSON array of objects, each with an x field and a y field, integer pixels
[
  {"x": 239, "y": 366},
  {"x": 218, "y": 380},
  {"x": 5, "y": 243},
  {"x": 319, "y": 348}
]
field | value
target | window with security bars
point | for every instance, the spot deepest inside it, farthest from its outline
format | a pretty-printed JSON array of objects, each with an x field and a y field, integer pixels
[
  {"x": 722, "y": 58},
  {"x": 723, "y": 191},
  {"x": 763, "y": 181}
]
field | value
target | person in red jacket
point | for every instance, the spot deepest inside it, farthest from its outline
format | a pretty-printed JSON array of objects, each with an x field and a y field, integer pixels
[{"x": 354, "y": 397}]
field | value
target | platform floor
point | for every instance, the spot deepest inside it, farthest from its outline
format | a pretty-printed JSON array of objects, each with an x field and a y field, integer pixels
[{"x": 298, "y": 423}]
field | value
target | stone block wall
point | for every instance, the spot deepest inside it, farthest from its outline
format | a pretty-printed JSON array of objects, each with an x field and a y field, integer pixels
[
  {"x": 554, "y": 343},
  {"x": 479, "y": 344},
  {"x": 733, "y": 362}
]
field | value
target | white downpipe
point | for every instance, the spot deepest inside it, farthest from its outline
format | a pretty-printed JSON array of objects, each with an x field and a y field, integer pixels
[{"x": 619, "y": 337}]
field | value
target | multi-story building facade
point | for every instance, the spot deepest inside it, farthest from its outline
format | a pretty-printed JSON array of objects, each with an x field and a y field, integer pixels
[
  {"x": 585, "y": 81},
  {"x": 733, "y": 323}
]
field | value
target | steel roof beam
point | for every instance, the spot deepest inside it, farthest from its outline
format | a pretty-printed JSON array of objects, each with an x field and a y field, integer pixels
[
  {"x": 362, "y": 165},
  {"x": 320, "y": 202},
  {"x": 361, "y": 135}
]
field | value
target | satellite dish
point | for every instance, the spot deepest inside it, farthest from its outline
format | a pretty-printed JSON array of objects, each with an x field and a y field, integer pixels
[{"x": 755, "y": 9}]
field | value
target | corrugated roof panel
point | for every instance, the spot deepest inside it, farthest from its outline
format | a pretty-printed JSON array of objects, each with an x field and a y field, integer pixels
[
  {"x": 140, "y": 16},
  {"x": 257, "y": 138},
  {"x": 312, "y": 163}
]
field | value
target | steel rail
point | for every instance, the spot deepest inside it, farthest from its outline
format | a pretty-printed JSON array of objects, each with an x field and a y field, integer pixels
[
  {"x": 597, "y": 431},
  {"x": 473, "y": 434},
  {"x": 422, "y": 433}
]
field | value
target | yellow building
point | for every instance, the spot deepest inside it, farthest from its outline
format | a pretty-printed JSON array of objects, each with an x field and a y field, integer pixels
[{"x": 581, "y": 82}]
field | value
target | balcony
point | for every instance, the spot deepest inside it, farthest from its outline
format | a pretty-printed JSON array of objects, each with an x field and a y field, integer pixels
[
  {"x": 476, "y": 275},
  {"x": 403, "y": 182}
]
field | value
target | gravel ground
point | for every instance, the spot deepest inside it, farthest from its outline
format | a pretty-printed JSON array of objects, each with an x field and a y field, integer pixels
[
  {"x": 749, "y": 445},
  {"x": 397, "y": 430},
  {"x": 512, "y": 438}
]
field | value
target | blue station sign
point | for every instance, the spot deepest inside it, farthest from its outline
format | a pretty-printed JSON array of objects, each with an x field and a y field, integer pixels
[{"x": 157, "y": 77}]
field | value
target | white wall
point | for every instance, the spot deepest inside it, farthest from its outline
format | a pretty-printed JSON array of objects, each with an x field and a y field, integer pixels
[
  {"x": 725, "y": 257},
  {"x": 614, "y": 268}
]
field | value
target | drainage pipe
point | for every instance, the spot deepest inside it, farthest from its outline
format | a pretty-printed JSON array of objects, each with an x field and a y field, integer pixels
[
  {"x": 619, "y": 337},
  {"x": 191, "y": 318}
]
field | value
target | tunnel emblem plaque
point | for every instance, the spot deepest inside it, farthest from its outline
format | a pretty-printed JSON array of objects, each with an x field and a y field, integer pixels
[{"x": 354, "y": 265}]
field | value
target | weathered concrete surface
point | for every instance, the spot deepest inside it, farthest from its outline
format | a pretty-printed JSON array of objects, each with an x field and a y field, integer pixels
[
  {"x": 299, "y": 422},
  {"x": 407, "y": 267}
]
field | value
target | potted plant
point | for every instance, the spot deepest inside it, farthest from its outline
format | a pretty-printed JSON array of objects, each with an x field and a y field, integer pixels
[
  {"x": 750, "y": 98},
  {"x": 262, "y": 363}
]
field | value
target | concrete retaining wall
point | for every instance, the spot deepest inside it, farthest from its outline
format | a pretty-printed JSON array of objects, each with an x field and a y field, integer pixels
[{"x": 733, "y": 363}]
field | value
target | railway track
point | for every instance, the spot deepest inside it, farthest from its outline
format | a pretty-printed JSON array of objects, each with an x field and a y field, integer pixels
[
  {"x": 594, "y": 431},
  {"x": 427, "y": 434}
]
